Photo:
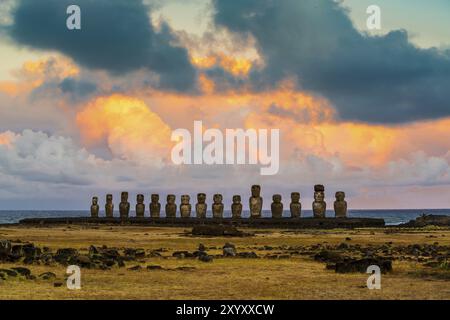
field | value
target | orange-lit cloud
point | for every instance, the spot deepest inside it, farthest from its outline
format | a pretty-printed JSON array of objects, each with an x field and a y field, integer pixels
[
  {"x": 32, "y": 74},
  {"x": 62, "y": 67},
  {"x": 229, "y": 109},
  {"x": 204, "y": 62},
  {"x": 358, "y": 145},
  {"x": 237, "y": 66},
  {"x": 130, "y": 128},
  {"x": 206, "y": 85},
  {"x": 6, "y": 138}
]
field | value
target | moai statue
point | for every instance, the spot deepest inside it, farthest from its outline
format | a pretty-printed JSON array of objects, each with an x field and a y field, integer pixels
[
  {"x": 155, "y": 206},
  {"x": 256, "y": 202},
  {"x": 296, "y": 206},
  {"x": 109, "y": 206},
  {"x": 236, "y": 207},
  {"x": 277, "y": 206},
  {"x": 95, "y": 208},
  {"x": 124, "y": 206},
  {"x": 140, "y": 206},
  {"x": 340, "y": 205},
  {"x": 201, "y": 206},
  {"x": 319, "y": 205},
  {"x": 217, "y": 207},
  {"x": 185, "y": 207},
  {"x": 171, "y": 206}
]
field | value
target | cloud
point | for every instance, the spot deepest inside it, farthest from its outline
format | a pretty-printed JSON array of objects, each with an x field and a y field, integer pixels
[
  {"x": 37, "y": 157},
  {"x": 381, "y": 79},
  {"x": 116, "y": 36},
  {"x": 76, "y": 87},
  {"x": 130, "y": 128}
]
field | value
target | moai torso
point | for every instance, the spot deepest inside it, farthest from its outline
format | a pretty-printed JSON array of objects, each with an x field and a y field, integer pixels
[
  {"x": 340, "y": 205},
  {"x": 171, "y": 207},
  {"x": 124, "y": 206},
  {"x": 109, "y": 206},
  {"x": 95, "y": 208},
  {"x": 155, "y": 206},
  {"x": 236, "y": 207},
  {"x": 296, "y": 206},
  {"x": 277, "y": 207},
  {"x": 217, "y": 207},
  {"x": 201, "y": 206},
  {"x": 185, "y": 207},
  {"x": 256, "y": 202},
  {"x": 319, "y": 205},
  {"x": 140, "y": 206}
]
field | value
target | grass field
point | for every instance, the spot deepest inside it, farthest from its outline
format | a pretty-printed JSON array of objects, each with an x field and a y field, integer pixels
[{"x": 296, "y": 277}]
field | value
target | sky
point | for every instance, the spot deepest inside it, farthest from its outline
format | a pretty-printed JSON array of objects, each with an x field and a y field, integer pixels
[{"x": 89, "y": 112}]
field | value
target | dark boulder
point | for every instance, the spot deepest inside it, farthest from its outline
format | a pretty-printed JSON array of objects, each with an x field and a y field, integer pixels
[
  {"x": 206, "y": 258},
  {"x": 229, "y": 250},
  {"x": 217, "y": 231},
  {"x": 5, "y": 249},
  {"x": 328, "y": 256},
  {"x": 182, "y": 254},
  {"x": 84, "y": 262},
  {"x": 361, "y": 265},
  {"x": 22, "y": 271},
  {"x": 93, "y": 250},
  {"x": 247, "y": 255},
  {"x": 154, "y": 267},
  {"x": 9, "y": 273},
  {"x": 30, "y": 251},
  {"x": 47, "y": 276},
  {"x": 66, "y": 256}
]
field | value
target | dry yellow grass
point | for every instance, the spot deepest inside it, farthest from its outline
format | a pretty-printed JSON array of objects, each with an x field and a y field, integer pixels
[{"x": 231, "y": 278}]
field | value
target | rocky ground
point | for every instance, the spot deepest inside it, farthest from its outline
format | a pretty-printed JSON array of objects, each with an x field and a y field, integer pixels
[{"x": 151, "y": 263}]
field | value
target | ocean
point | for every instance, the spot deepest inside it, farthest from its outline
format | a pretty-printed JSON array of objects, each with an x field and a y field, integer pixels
[{"x": 391, "y": 217}]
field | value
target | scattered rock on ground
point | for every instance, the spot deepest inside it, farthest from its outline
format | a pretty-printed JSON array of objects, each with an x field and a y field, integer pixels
[
  {"x": 135, "y": 268},
  {"x": 205, "y": 258},
  {"x": 229, "y": 250},
  {"x": 154, "y": 267},
  {"x": 22, "y": 271},
  {"x": 47, "y": 276},
  {"x": 217, "y": 231}
]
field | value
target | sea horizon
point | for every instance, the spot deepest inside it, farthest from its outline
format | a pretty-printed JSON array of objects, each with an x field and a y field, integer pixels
[{"x": 391, "y": 216}]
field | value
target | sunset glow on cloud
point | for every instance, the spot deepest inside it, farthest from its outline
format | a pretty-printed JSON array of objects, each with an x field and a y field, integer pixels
[{"x": 131, "y": 129}]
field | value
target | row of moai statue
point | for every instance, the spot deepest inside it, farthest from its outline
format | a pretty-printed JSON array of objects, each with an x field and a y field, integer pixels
[{"x": 255, "y": 204}]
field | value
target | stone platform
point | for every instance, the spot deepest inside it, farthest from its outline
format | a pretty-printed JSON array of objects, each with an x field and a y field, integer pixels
[{"x": 281, "y": 223}]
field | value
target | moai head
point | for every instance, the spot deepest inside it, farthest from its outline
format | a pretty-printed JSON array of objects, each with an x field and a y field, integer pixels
[
  {"x": 340, "y": 196},
  {"x": 295, "y": 197},
  {"x": 201, "y": 198},
  {"x": 109, "y": 198},
  {"x": 276, "y": 198},
  {"x": 185, "y": 199},
  {"x": 140, "y": 198},
  {"x": 319, "y": 196},
  {"x": 94, "y": 201},
  {"x": 124, "y": 196},
  {"x": 155, "y": 198},
  {"x": 319, "y": 188},
  {"x": 256, "y": 191},
  {"x": 217, "y": 198},
  {"x": 171, "y": 199},
  {"x": 237, "y": 199}
]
